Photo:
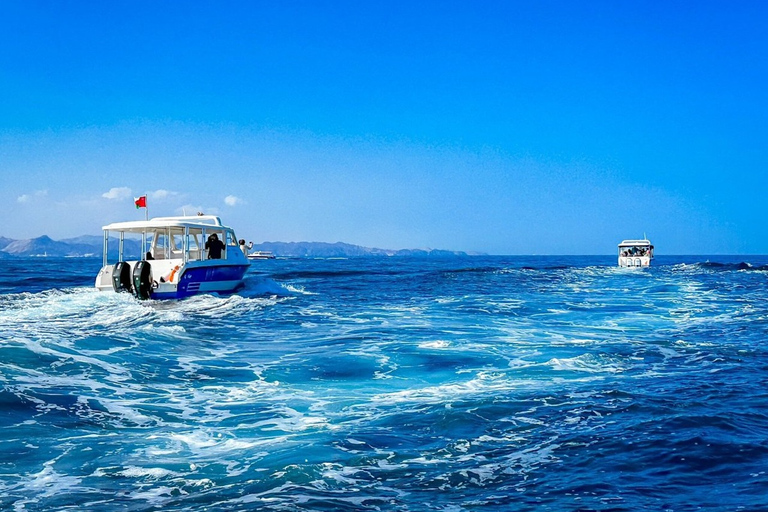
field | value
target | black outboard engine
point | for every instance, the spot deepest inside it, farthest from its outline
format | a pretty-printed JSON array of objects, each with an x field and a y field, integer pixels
[
  {"x": 121, "y": 277},
  {"x": 142, "y": 280}
]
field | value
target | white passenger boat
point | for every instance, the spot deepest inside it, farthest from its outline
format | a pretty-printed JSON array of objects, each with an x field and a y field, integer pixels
[
  {"x": 179, "y": 257},
  {"x": 261, "y": 255},
  {"x": 635, "y": 253}
]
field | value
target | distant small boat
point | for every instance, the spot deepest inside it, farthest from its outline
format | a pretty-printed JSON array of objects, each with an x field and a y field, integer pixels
[
  {"x": 261, "y": 255},
  {"x": 635, "y": 253}
]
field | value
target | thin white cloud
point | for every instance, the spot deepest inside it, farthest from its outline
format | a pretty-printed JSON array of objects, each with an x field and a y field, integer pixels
[
  {"x": 190, "y": 209},
  {"x": 117, "y": 193},
  {"x": 161, "y": 194},
  {"x": 232, "y": 200},
  {"x": 25, "y": 198}
]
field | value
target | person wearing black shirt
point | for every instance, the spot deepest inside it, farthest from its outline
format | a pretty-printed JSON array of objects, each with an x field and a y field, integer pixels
[{"x": 214, "y": 246}]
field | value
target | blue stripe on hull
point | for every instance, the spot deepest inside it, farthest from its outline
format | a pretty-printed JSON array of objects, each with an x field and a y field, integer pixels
[{"x": 200, "y": 280}]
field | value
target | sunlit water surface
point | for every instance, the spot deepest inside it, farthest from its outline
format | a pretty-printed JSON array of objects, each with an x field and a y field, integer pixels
[{"x": 479, "y": 383}]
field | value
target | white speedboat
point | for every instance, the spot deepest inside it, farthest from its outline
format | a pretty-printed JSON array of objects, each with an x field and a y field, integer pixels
[
  {"x": 261, "y": 255},
  {"x": 635, "y": 253},
  {"x": 179, "y": 257}
]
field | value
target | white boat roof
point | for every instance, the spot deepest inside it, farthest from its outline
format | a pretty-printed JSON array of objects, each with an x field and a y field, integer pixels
[
  {"x": 189, "y": 221},
  {"x": 634, "y": 243}
]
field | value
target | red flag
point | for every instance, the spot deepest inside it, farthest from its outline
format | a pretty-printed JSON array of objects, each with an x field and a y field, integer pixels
[{"x": 141, "y": 202}]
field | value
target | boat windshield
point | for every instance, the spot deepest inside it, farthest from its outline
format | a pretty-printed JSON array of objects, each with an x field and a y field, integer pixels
[
  {"x": 167, "y": 244},
  {"x": 635, "y": 250}
]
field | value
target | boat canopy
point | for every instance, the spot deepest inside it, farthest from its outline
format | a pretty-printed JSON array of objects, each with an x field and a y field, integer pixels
[
  {"x": 635, "y": 243},
  {"x": 201, "y": 222},
  {"x": 180, "y": 237}
]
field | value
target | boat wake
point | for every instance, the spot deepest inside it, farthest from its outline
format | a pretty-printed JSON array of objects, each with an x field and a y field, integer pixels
[{"x": 514, "y": 385}]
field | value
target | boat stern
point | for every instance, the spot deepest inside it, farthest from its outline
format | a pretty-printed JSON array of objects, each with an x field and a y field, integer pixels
[
  {"x": 635, "y": 253},
  {"x": 633, "y": 261},
  {"x": 104, "y": 278}
]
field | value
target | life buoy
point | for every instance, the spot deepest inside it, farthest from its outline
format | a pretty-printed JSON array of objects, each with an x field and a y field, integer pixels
[{"x": 169, "y": 278}]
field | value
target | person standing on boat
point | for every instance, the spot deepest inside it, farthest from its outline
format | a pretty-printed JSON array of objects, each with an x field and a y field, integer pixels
[
  {"x": 214, "y": 247},
  {"x": 245, "y": 248}
]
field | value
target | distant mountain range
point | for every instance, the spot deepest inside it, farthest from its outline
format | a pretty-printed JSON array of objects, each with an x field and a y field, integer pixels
[
  {"x": 342, "y": 250},
  {"x": 91, "y": 246}
]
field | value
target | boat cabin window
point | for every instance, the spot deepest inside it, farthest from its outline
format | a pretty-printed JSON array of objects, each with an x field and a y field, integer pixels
[
  {"x": 195, "y": 246},
  {"x": 167, "y": 244},
  {"x": 132, "y": 248},
  {"x": 635, "y": 250},
  {"x": 227, "y": 236},
  {"x": 221, "y": 237}
]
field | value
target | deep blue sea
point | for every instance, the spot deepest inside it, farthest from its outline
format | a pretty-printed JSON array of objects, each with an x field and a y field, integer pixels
[{"x": 391, "y": 384}]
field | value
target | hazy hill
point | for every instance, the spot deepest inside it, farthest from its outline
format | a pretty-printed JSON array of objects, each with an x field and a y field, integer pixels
[
  {"x": 92, "y": 240},
  {"x": 82, "y": 246},
  {"x": 90, "y": 245},
  {"x": 342, "y": 250},
  {"x": 44, "y": 246}
]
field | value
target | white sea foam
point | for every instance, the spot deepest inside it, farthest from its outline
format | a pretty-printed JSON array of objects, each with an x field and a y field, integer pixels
[
  {"x": 296, "y": 289},
  {"x": 156, "y": 496},
  {"x": 209, "y": 445},
  {"x": 140, "y": 472},
  {"x": 586, "y": 363},
  {"x": 45, "y": 484},
  {"x": 287, "y": 419},
  {"x": 483, "y": 383},
  {"x": 435, "y": 344}
]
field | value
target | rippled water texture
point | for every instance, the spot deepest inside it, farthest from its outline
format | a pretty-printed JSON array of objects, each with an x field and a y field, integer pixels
[{"x": 484, "y": 383}]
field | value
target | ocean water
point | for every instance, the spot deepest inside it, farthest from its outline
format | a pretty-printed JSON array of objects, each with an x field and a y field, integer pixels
[{"x": 478, "y": 383}]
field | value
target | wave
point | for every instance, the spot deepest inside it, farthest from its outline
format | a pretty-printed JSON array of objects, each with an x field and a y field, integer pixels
[
  {"x": 472, "y": 270},
  {"x": 324, "y": 274},
  {"x": 269, "y": 286},
  {"x": 716, "y": 267},
  {"x": 743, "y": 265},
  {"x": 506, "y": 269}
]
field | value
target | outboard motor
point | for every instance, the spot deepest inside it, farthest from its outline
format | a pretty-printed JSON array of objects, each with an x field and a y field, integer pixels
[
  {"x": 142, "y": 280},
  {"x": 121, "y": 277}
]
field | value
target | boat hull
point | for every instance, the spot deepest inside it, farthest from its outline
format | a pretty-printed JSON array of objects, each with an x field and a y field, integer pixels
[
  {"x": 634, "y": 261},
  {"x": 201, "y": 280},
  {"x": 192, "y": 279}
]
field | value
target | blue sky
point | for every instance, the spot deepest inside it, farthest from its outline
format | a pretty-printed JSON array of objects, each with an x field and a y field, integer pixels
[{"x": 547, "y": 127}]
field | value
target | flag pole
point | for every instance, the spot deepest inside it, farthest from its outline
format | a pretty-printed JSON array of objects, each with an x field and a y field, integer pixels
[{"x": 146, "y": 214}]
